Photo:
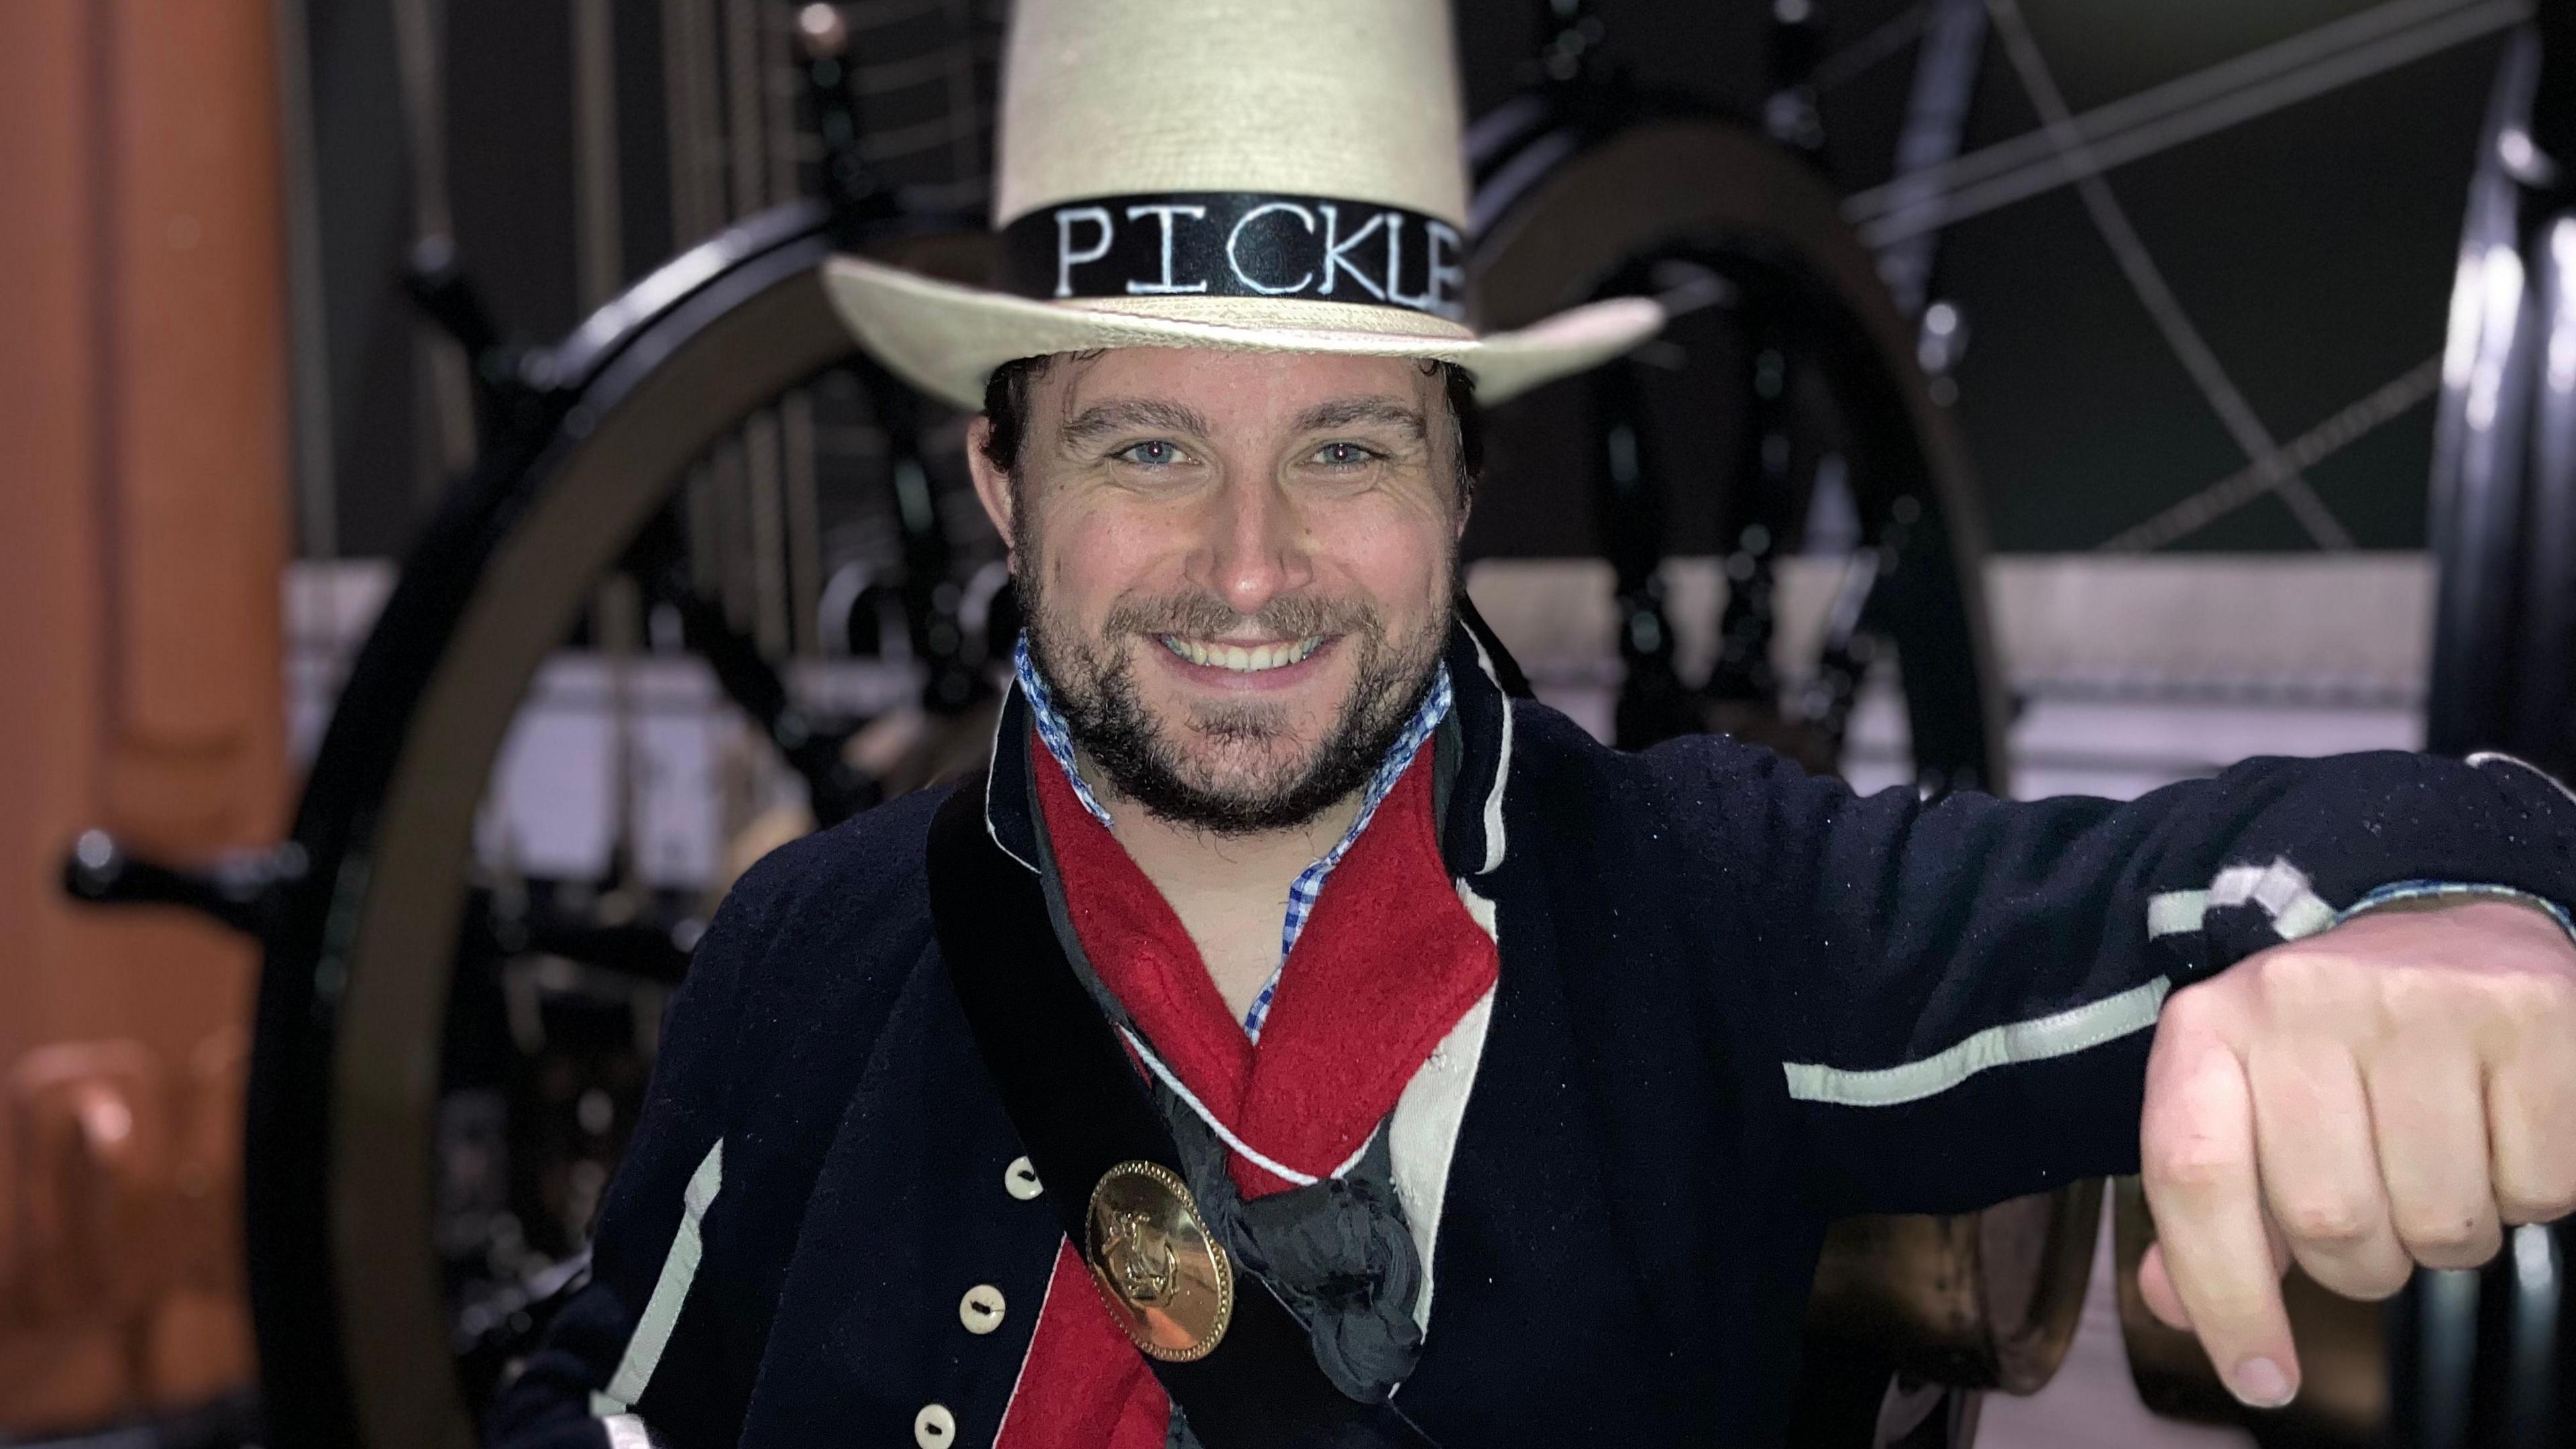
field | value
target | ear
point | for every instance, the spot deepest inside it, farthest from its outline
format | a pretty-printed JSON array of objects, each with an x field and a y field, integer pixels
[{"x": 992, "y": 485}]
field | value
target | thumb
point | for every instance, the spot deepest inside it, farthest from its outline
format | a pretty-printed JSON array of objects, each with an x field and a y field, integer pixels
[{"x": 2155, "y": 1285}]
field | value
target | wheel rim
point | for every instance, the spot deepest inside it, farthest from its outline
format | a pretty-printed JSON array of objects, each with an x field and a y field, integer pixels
[
  {"x": 1674, "y": 187},
  {"x": 1989, "y": 1300},
  {"x": 391, "y": 892}
]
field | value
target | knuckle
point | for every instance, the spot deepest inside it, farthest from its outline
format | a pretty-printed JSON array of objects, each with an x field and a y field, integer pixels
[
  {"x": 2329, "y": 1221},
  {"x": 2536, "y": 1000},
  {"x": 2454, "y": 1259},
  {"x": 2514, "y": 1210},
  {"x": 2370, "y": 1280},
  {"x": 2450, "y": 1239},
  {"x": 2301, "y": 984},
  {"x": 2412, "y": 995},
  {"x": 2535, "y": 1202},
  {"x": 2191, "y": 1009},
  {"x": 2192, "y": 1163},
  {"x": 2553, "y": 1001}
]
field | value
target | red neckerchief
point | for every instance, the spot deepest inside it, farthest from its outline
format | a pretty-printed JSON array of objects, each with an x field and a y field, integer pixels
[{"x": 1386, "y": 965}]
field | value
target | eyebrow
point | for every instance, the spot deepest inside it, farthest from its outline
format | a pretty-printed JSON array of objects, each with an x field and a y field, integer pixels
[
  {"x": 1118, "y": 414},
  {"x": 1344, "y": 411}
]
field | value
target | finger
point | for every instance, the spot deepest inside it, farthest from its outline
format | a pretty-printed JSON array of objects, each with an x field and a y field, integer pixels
[
  {"x": 2428, "y": 1110},
  {"x": 2531, "y": 1114},
  {"x": 2199, "y": 1171},
  {"x": 2155, "y": 1285},
  {"x": 2320, "y": 1165},
  {"x": 2155, "y": 1280}
]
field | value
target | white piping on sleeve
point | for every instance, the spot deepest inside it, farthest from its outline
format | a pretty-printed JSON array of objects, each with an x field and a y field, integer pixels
[
  {"x": 670, "y": 1291},
  {"x": 2281, "y": 889},
  {"x": 2235, "y": 885},
  {"x": 2484, "y": 758},
  {"x": 2176, "y": 913},
  {"x": 2060, "y": 1034}
]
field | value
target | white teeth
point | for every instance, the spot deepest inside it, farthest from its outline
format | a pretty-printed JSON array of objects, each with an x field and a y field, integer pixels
[{"x": 1239, "y": 659}]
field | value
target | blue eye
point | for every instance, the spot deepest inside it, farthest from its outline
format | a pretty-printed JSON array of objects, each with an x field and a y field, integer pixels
[
  {"x": 1153, "y": 453},
  {"x": 1343, "y": 455}
]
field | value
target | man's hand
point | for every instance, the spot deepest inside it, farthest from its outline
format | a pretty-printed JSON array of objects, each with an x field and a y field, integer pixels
[{"x": 2394, "y": 1091}]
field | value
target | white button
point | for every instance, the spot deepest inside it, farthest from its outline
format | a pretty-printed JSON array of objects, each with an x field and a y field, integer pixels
[
  {"x": 1021, "y": 1178},
  {"x": 934, "y": 1427},
  {"x": 981, "y": 1309}
]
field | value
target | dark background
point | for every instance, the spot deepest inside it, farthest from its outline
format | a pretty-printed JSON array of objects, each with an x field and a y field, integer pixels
[{"x": 2312, "y": 247}]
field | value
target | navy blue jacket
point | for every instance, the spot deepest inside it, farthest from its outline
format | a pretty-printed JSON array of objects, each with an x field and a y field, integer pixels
[{"x": 1735, "y": 1002}]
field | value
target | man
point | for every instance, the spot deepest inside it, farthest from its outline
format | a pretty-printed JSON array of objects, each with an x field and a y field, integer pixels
[{"x": 1480, "y": 1085}]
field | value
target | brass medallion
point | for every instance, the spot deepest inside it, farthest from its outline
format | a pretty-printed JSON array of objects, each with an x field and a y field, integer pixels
[{"x": 1168, "y": 1283}]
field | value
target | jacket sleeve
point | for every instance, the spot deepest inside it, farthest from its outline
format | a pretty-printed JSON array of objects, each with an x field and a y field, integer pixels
[
  {"x": 634, "y": 1359},
  {"x": 1961, "y": 993}
]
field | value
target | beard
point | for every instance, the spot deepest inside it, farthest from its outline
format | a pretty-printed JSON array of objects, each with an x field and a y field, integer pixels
[{"x": 1094, "y": 684}]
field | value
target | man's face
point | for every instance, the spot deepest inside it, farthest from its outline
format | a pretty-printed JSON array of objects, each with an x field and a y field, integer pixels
[{"x": 1236, "y": 568}]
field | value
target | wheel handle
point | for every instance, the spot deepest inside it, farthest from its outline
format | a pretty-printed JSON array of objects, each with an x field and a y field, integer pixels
[{"x": 241, "y": 891}]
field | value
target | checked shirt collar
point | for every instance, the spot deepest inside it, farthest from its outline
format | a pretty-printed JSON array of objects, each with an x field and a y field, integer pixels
[{"x": 1310, "y": 881}]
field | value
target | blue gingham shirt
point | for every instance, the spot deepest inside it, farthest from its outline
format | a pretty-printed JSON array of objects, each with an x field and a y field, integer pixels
[{"x": 1310, "y": 882}]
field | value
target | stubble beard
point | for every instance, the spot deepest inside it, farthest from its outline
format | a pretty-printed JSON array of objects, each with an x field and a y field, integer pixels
[{"x": 1093, "y": 682}]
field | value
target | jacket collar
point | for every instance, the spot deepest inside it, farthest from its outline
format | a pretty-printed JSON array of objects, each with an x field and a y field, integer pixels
[
  {"x": 1010, "y": 806},
  {"x": 1477, "y": 737},
  {"x": 1474, "y": 747}
]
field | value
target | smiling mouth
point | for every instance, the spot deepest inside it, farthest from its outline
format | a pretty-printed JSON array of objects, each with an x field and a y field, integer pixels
[{"x": 1238, "y": 658}]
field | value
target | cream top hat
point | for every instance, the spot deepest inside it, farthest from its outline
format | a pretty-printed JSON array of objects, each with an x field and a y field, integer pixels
[{"x": 1247, "y": 174}]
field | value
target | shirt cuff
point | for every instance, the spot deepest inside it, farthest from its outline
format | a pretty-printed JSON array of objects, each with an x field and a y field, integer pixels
[{"x": 2416, "y": 890}]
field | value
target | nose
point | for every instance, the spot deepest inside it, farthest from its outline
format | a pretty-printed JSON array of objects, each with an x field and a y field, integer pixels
[{"x": 1255, "y": 545}]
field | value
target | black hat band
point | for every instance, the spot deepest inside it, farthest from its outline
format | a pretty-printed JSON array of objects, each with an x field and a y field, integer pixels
[{"x": 1238, "y": 244}]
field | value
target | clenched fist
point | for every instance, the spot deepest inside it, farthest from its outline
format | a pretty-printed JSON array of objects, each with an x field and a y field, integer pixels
[{"x": 2391, "y": 1092}]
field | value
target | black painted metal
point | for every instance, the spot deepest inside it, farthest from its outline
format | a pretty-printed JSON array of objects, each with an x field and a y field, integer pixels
[
  {"x": 2488, "y": 1358},
  {"x": 1793, "y": 45},
  {"x": 640, "y": 949},
  {"x": 2543, "y": 684},
  {"x": 858, "y": 199},
  {"x": 1653, "y": 702},
  {"x": 295, "y": 1306},
  {"x": 1788, "y": 306},
  {"x": 1936, "y": 120},
  {"x": 933, "y": 597},
  {"x": 2478, "y": 451},
  {"x": 241, "y": 891},
  {"x": 836, "y": 789},
  {"x": 504, "y": 396},
  {"x": 1763, "y": 509},
  {"x": 2553, "y": 104},
  {"x": 537, "y": 409},
  {"x": 861, "y": 207},
  {"x": 2503, "y": 523}
]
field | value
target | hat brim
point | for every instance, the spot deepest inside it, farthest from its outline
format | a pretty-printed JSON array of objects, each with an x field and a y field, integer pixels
[{"x": 946, "y": 339}]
